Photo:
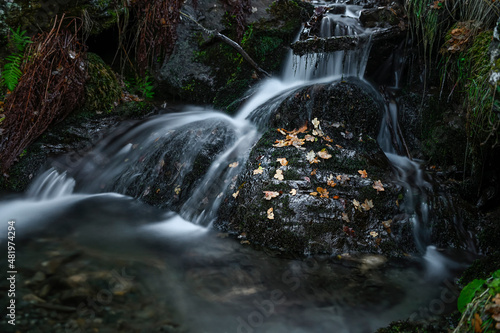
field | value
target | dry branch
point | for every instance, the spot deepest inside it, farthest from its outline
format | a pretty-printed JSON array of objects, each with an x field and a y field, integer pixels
[{"x": 231, "y": 43}]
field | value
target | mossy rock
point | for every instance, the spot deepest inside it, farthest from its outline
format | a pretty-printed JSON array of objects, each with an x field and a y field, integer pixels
[
  {"x": 102, "y": 88},
  {"x": 305, "y": 223}
]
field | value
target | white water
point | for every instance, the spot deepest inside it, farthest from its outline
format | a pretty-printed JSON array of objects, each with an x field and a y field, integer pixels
[{"x": 318, "y": 299}]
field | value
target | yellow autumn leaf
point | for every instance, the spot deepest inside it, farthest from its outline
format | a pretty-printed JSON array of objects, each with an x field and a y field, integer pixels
[
  {"x": 233, "y": 165},
  {"x": 373, "y": 233},
  {"x": 282, "y": 161},
  {"x": 315, "y": 122},
  {"x": 293, "y": 191},
  {"x": 235, "y": 195},
  {"x": 356, "y": 204},
  {"x": 313, "y": 193},
  {"x": 279, "y": 174},
  {"x": 270, "y": 214}
]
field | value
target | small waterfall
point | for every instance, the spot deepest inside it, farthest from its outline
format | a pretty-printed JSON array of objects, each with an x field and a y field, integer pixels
[{"x": 335, "y": 65}]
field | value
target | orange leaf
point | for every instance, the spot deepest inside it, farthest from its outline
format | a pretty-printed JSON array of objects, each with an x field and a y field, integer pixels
[
  {"x": 336, "y": 197},
  {"x": 378, "y": 186},
  {"x": 323, "y": 192},
  {"x": 313, "y": 172},
  {"x": 313, "y": 193},
  {"x": 324, "y": 155},
  {"x": 270, "y": 214},
  {"x": 282, "y": 161},
  {"x": 331, "y": 183},
  {"x": 363, "y": 173}
]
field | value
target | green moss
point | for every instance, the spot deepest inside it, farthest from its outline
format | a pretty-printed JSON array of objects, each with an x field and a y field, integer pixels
[
  {"x": 102, "y": 88},
  {"x": 408, "y": 327}
]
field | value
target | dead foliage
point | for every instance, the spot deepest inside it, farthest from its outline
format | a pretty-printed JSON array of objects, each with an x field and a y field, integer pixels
[
  {"x": 52, "y": 85},
  {"x": 239, "y": 10},
  {"x": 157, "y": 22}
]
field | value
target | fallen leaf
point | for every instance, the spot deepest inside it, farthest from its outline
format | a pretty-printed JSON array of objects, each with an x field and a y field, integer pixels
[
  {"x": 356, "y": 204},
  {"x": 222, "y": 235},
  {"x": 270, "y": 214},
  {"x": 378, "y": 186},
  {"x": 315, "y": 122},
  {"x": 177, "y": 190},
  {"x": 279, "y": 174},
  {"x": 313, "y": 193},
  {"x": 387, "y": 224},
  {"x": 477, "y": 322},
  {"x": 367, "y": 205},
  {"x": 363, "y": 173},
  {"x": 307, "y": 179},
  {"x": 373, "y": 233},
  {"x": 327, "y": 138},
  {"x": 336, "y": 197},
  {"x": 282, "y": 161},
  {"x": 235, "y": 195},
  {"x": 233, "y": 165},
  {"x": 343, "y": 179},
  {"x": 280, "y": 143},
  {"x": 323, "y": 154},
  {"x": 348, "y": 231},
  {"x": 336, "y": 125},
  {"x": 311, "y": 157},
  {"x": 293, "y": 191},
  {"x": 310, "y": 138},
  {"x": 244, "y": 242},
  {"x": 258, "y": 171},
  {"x": 339, "y": 146},
  {"x": 281, "y": 130},
  {"x": 313, "y": 173},
  {"x": 322, "y": 191},
  {"x": 345, "y": 217},
  {"x": 268, "y": 195}
]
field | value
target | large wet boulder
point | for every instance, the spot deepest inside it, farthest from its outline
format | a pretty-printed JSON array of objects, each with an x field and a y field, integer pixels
[
  {"x": 321, "y": 201},
  {"x": 205, "y": 69}
]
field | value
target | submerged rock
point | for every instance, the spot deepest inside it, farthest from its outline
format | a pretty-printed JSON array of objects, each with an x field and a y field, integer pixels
[{"x": 321, "y": 201}]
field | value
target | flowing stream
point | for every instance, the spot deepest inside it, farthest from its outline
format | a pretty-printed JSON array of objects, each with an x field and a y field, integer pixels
[{"x": 216, "y": 284}]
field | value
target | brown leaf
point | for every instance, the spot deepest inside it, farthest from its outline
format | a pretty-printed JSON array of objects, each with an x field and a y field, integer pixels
[
  {"x": 270, "y": 214},
  {"x": 323, "y": 192},
  {"x": 363, "y": 173},
  {"x": 310, "y": 138},
  {"x": 313, "y": 193},
  {"x": 367, "y": 205},
  {"x": 345, "y": 217},
  {"x": 477, "y": 322},
  {"x": 378, "y": 186},
  {"x": 323, "y": 154},
  {"x": 282, "y": 161},
  {"x": 268, "y": 195},
  {"x": 233, "y": 165}
]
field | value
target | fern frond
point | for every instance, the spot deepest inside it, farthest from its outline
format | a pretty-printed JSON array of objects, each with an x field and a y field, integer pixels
[{"x": 12, "y": 71}]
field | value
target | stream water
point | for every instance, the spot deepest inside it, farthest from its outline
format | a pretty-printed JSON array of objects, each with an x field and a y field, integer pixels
[{"x": 216, "y": 284}]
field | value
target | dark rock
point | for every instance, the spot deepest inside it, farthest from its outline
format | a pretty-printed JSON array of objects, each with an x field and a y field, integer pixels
[{"x": 303, "y": 223}]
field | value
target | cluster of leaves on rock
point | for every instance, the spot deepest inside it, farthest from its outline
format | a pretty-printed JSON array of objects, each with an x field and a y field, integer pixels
[{"x": 292, "y": 139}]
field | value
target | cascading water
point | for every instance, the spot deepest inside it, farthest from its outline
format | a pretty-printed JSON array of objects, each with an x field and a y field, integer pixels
[{"x": 195, "y": 155}]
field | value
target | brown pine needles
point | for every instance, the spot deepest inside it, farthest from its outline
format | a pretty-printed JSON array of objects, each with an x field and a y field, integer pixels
[{"x": 52, "y": 85}]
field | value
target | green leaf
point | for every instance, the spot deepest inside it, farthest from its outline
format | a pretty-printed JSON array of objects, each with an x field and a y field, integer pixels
[{"x": 467, "y": 294}]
